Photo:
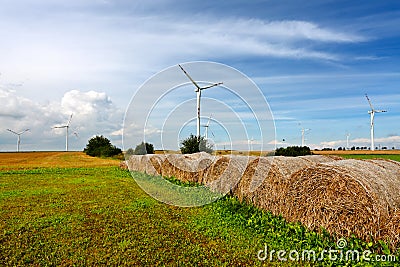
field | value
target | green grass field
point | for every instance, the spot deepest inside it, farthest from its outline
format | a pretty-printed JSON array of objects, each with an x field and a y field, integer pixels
[
  {"x": 366, "y": 156},
  {"x": 91, "y": 216}
]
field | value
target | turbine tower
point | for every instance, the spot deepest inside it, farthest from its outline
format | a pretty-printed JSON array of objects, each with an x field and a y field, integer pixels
[
  {"x": 198, "y": 92},
  {"x": 19, "y": 136},
  {"x": 372, "y": 113},
  {"x": 206, "y": 126},
  {"x": 250, "y": 143},
  {"x": 347, "y": 141},
  {"x": 66, "y": 131}
]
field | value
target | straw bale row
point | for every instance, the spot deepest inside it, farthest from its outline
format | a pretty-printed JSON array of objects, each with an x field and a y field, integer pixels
[{"x": 360, "y": 197}]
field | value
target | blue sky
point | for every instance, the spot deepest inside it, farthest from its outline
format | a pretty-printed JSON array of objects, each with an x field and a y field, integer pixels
[{"x": 313, "y": 61}]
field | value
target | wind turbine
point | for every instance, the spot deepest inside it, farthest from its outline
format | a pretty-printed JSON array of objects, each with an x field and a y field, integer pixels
[
  {"x": 372, "y": 113},
  {"x": 206, "y": 126},
  {"x": 198, "y": 92},
  {"x": 66, "y": 130},
  {"x": 250, "y": 143},
  {"x": 303, "y": 132},
  {"x": 347, "y": 141},
  {"x": 19, "y": 136}
]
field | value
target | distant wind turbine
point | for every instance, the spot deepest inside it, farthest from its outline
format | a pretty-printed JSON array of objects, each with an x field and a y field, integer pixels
[
  {"x": 372, "y": 113},
  {"x": 206, "y": 128},
  {"x": 250, "y": 143},
  {"x": 19, "y": 136},
  {"x": 198, "y": 91},
  {"x": 66, "y": 131},
  {"x": 347, "y": 141},
  {"x": 303, "y": 132}
]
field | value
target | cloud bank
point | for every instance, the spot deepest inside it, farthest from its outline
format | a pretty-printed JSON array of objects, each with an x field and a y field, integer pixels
[{"x": 93, "y": 113}]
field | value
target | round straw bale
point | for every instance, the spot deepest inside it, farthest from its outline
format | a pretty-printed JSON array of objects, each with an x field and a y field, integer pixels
[
  {"x": 321, "y": 158},
  {"x": 387, "y": 164},
  {"x": 391, "y": 230},
  {"x": 187, "y": 167},
  {"x": 255, "y": 173},
  {"x": 286, "y": 166},
  {"x": 154, "y": 163},
  {"x": 145, "y": 165},
  {"x": 216, "y": 169},
  {"x": 133, "y": 162},
  {"x": 226, "y": 172},
  {"x": 264, "y": 181},
  {"x": 344, "y": 197},
  {"x": 203, "y": 166}
]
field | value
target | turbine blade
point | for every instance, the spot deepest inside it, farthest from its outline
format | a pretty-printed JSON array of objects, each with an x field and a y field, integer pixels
[
  {"x": 12, "y": 131},
  {"x": 64, "y": 126},
  {"x": 70, "y": 118},
  {"x": 213, "y": 85},
  {"x": 380, "y": 111},
  {"x": 190, "y": 78},
  {"x": 369, "y": 101},
  {"x": 23, "y": 131},
  {"x": 209, "y": 118}
]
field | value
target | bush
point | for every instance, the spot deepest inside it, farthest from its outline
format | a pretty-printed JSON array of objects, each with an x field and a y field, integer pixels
[
  {"x": 293, "y": 151},
  {"x": 100, "y": 146},
  {"x": 143, "y": 149},
  {"x": 194, "y": 144}
]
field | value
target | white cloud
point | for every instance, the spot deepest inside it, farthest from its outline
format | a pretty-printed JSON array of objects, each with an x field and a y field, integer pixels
[
  {"x": 119, "y": 132},
  {"x": 287, "y": 30},
  {"x": 391, "y": 141},
  {"x": 86, "y": 102},
  {"x": 93, "y": 113},
  {"x": 84, "y": 46},
  {"x": 277, "y": 143}
]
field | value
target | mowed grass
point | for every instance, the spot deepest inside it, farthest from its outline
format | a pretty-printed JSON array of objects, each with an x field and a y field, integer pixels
[{"x": 91, "y": 216}]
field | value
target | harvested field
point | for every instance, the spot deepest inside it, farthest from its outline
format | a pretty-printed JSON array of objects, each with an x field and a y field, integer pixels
[{"x": 30, "y": 160}]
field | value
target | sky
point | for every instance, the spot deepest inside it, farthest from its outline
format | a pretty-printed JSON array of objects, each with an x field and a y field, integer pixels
[{"x": 313, "y": 62}]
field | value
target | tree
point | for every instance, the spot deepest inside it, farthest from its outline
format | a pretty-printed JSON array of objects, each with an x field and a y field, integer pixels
[
  {"x": 293, "y": 151},
  {"x": 100, "y": 146},
  {"x": 129, "y": 152},
  {"x": 194, "y": 144},
  {"x": 144, "y": 148}
]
